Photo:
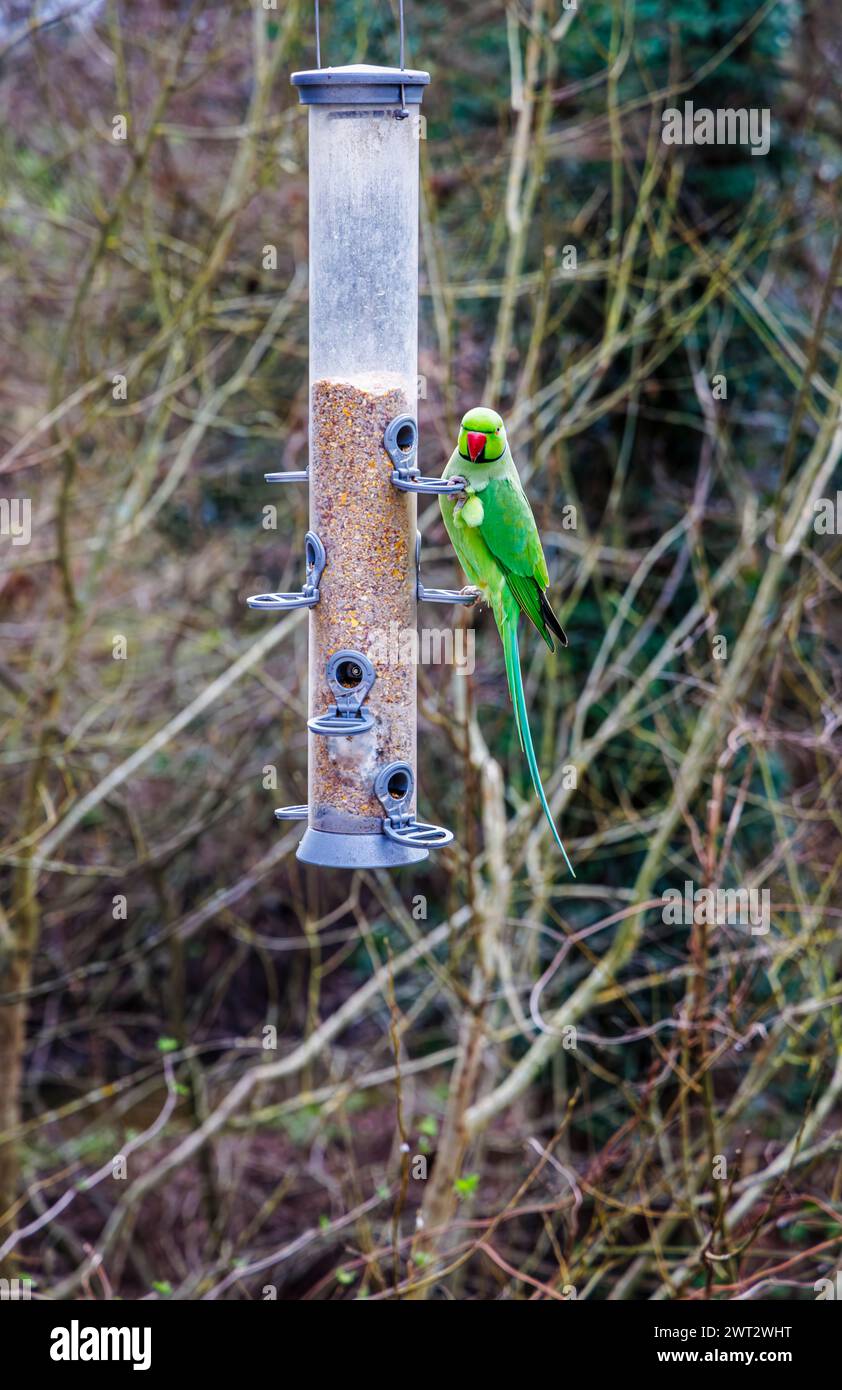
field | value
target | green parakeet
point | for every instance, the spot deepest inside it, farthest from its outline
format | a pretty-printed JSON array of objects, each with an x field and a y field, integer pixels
[{"x": 497, "y": 544}]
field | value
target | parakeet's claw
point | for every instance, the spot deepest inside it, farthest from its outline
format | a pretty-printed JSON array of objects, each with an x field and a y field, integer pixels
[
  {"x": 475, "y": 594},
  {"x": 459, "y": 479}
]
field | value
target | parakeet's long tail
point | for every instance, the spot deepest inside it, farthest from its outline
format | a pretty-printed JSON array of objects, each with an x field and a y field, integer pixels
[{"x": 507, "y": 623}]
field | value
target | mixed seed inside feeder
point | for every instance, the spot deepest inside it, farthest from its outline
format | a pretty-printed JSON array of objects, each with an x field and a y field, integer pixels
[{"x": 367, "y": 528}]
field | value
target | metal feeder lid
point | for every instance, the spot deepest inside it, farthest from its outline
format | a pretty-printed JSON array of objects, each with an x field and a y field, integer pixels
[{"x": 360, "y": 84}]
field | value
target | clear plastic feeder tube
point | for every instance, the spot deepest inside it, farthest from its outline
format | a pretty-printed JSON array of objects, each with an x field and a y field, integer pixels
[
  {"x": 364, "y": 135},
  {"x": 364, "y": 246}
]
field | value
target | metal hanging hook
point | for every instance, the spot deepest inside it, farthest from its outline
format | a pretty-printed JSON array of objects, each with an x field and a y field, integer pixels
[
  {"x": 403, "y": 113},
  {"x": 402, "y": 26}
]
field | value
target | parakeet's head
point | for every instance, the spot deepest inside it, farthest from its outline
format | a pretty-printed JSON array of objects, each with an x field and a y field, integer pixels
[{"x": 482, "y": 437}]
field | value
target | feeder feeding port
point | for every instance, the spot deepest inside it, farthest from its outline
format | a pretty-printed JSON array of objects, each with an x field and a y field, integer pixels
[{"x": 362, "y": 551}]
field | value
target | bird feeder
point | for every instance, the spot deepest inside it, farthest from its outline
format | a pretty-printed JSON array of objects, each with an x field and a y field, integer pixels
[{"x": 362, "y": 548}]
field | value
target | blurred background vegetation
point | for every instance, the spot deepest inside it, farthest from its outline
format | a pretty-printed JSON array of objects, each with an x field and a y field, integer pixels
[{"x": 474, "y": 1079}]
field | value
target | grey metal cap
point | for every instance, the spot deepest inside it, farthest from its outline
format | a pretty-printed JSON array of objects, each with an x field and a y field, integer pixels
[{"x": 360, "y": 84}]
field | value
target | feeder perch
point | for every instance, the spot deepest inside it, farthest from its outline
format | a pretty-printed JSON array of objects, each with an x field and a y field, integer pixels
[
  {"x": 401, "y": 441},
  {"x": 362, "y": 563},
  {"x": 350, "y": 676},
  {"x": 290, "y": 477},
  {"x": 467, "y": 596},
  {"x": 314, "y": 553},
  {"x": 394, "y": 786}
]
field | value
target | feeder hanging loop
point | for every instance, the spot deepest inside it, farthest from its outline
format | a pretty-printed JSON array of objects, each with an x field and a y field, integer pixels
[
  {"x": 403, "y": 111},
  {"x": 307, "y": 597}
]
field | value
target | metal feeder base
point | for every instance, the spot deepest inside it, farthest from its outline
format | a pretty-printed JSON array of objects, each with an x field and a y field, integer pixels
[{"x": 355, "y": 851}]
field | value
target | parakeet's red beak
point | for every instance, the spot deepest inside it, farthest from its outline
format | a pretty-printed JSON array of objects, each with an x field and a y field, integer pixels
[{"x": 476, "y": 444}]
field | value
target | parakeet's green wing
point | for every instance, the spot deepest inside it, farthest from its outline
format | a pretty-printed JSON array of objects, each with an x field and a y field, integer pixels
[{"x": 508, "y": 529}]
